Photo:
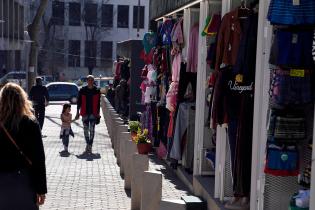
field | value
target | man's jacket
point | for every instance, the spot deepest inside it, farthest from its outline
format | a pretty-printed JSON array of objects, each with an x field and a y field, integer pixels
[
  {"x": 38, "y": 95},
  {"x": 89, "y": 101}
]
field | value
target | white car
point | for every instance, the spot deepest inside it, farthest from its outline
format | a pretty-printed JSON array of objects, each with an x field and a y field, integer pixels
[
  {"x": 63, "y": 91},
  {"x": 18, "y": 77}
]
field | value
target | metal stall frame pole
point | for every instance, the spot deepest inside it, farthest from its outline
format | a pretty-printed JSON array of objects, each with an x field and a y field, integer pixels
[
  {"x": 312, "y": 199},
  {"x": 200, "y": 91},
  {"x": 221, "y": 137},
  {"x": 262, "y": 82}
]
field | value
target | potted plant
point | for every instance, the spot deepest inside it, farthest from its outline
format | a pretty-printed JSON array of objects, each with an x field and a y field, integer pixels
[
  {"x": 133, "y": 127},
  {"x": 143, "y": 142}
]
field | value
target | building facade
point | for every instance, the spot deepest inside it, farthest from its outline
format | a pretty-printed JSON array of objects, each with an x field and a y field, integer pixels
[
  {"x": 12, "y": 22},
  {"x": 78, "y": 35}
]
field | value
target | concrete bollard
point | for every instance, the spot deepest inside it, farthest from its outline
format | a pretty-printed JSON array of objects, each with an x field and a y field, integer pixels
[
  {"x": 172, "y": 205},
  {"x": 115, "y": 123},
  {"x": 130, "y": 149},
  {"x": 113, "y": 117},
  {"x": 120, "y": 129},
  {"x": 151, "y": 192},
  {"x": 107, "y": 114},
  {"x": 109, "y": 120},
  {"x": 139, "y": 164},
  {"x": 124, "y": 136}
]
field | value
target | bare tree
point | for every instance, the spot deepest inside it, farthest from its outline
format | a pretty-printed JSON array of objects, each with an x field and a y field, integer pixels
[
  {"x": 33, "y": 30},
  {"x": 93, "y": 30},
  {"x": 51, "y": 55},
  {"x": 93, "y": 27}
]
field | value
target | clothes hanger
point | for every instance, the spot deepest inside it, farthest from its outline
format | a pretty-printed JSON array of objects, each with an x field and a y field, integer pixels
[{"x": 243, "y": 10}]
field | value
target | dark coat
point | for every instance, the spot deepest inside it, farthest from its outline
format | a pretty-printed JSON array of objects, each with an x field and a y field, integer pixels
[
  {"x": 39, "y": 94},
  {"x": 29, "y": 139}
]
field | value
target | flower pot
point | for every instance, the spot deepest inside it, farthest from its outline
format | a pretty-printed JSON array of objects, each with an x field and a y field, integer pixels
[
  {"x": 133, "y": 135},
  {"x": 144, "y": 148}
]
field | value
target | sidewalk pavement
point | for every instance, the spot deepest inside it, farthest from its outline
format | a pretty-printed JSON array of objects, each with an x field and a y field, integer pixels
[{"x": 76, "y": 182}]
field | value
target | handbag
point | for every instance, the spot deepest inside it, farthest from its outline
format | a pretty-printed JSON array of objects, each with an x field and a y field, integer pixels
[
  {"x": 282, "y": 161},
  {"x": 16, "y": 146}
]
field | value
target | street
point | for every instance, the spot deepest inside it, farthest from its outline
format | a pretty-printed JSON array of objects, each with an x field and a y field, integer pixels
[{"x": 75, "y": 183}]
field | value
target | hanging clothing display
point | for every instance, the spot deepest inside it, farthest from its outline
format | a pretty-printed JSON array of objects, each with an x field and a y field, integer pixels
[
  {"x": 149, "y": 41},
  {"x": 295, "y": 12},
  {"x": 286, "y": 89},
  {"x": 291, "y": 98},
  {"x": 192, "y": 59},
  {"x": 228, "y": 39},
  {"x": 182, "y": 122},
  {"x": 165, "y": 32},
  {"x": 212, "y": 25},
  {"x": 177, "y": 34},
  {"x": 292, "y": 48},
  {"x": 232, "y": 100}
]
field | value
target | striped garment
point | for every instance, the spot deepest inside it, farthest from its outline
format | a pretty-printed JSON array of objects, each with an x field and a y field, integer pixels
[
  {"x": 313, "y": 50},
  {"x": 292, "y": 12},
  {"x": 286, "y": 89},
  {"x": 289, "y": 128}
]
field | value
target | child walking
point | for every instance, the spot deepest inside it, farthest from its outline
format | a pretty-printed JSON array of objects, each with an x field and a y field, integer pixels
[{"x": 66, "y": 131}]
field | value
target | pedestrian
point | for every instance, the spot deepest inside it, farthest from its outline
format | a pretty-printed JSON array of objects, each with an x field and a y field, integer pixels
[
  {"x": 110, "y": 95},
  {"x": 66, "y": 131},
  {"x": 88, "y": 107},
  {"x": 23, "y": 183},
  {"x": 40, "y": 98}
]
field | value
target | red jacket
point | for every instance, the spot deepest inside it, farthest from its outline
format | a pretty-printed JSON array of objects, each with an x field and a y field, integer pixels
[{"x": 89, "y": 101}]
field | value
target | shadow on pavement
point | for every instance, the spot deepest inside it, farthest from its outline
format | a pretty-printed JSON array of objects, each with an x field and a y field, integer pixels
[
  {"x": 128, "y": 193},
  {"x": 64, "y": 154},
  {"x": 169, "y": 173},
  {"x": 89, "y": 157}
]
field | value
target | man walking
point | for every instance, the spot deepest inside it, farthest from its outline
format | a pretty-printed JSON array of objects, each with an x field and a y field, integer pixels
[
  {"x": 40, "y": 98},
  {"x": 88, "y": 107}
]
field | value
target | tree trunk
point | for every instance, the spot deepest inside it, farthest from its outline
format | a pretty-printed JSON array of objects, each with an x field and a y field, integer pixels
[{"x": 33, "y": 30}]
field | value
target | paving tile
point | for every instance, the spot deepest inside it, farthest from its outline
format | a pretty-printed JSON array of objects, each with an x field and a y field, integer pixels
[{"x": 75, "y": 183}]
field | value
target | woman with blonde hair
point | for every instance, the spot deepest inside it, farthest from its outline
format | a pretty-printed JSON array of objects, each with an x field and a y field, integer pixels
[{"x": 23, "y": 182}]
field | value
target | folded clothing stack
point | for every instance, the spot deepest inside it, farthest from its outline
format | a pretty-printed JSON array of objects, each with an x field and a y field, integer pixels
[{"x": 300, "y": 200}]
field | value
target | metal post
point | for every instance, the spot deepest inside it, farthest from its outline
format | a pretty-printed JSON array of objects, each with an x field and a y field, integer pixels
[{"x": 138, "y": 19}]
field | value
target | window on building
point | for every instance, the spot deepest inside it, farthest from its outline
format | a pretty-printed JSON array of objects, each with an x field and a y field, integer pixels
[
  {"x": 135, "y": 17},
  {"x": 17, "y": 60},
  {"x": 5, "y": 17},
  {"x": 90, "y": 14},
  {"x": 11, "y": 19},
  {"x": 74, "y": 14},
  {"x": 74, "y": 53},
  {"x": 106, "y": 52},
  {"x": 58, "y": 14},
  {"x": 16, "y": 20},
  {"x": 123, "y": 16},
  {"x": 90, "y": 54},
  {"x": 107, "y": 15},
  {"x": 21, "y": 22},
  {"x": 59, "y": 52}
]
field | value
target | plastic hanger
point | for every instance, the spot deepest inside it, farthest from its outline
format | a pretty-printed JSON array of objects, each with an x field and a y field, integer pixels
[{"x": 243, "y": 10}]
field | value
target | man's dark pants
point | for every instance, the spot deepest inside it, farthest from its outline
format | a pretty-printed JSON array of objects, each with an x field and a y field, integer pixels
[{"x": 40, "y": 114}]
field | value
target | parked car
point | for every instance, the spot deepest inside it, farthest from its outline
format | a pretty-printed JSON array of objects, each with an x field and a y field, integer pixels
[
  {"x": 63, "y": 91},
  {"x": 46, "y": 79},
  {"x": 81, "y": 82},
  {"x": 18, "y": 77},
  {"x": 103, "y": 82}
]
